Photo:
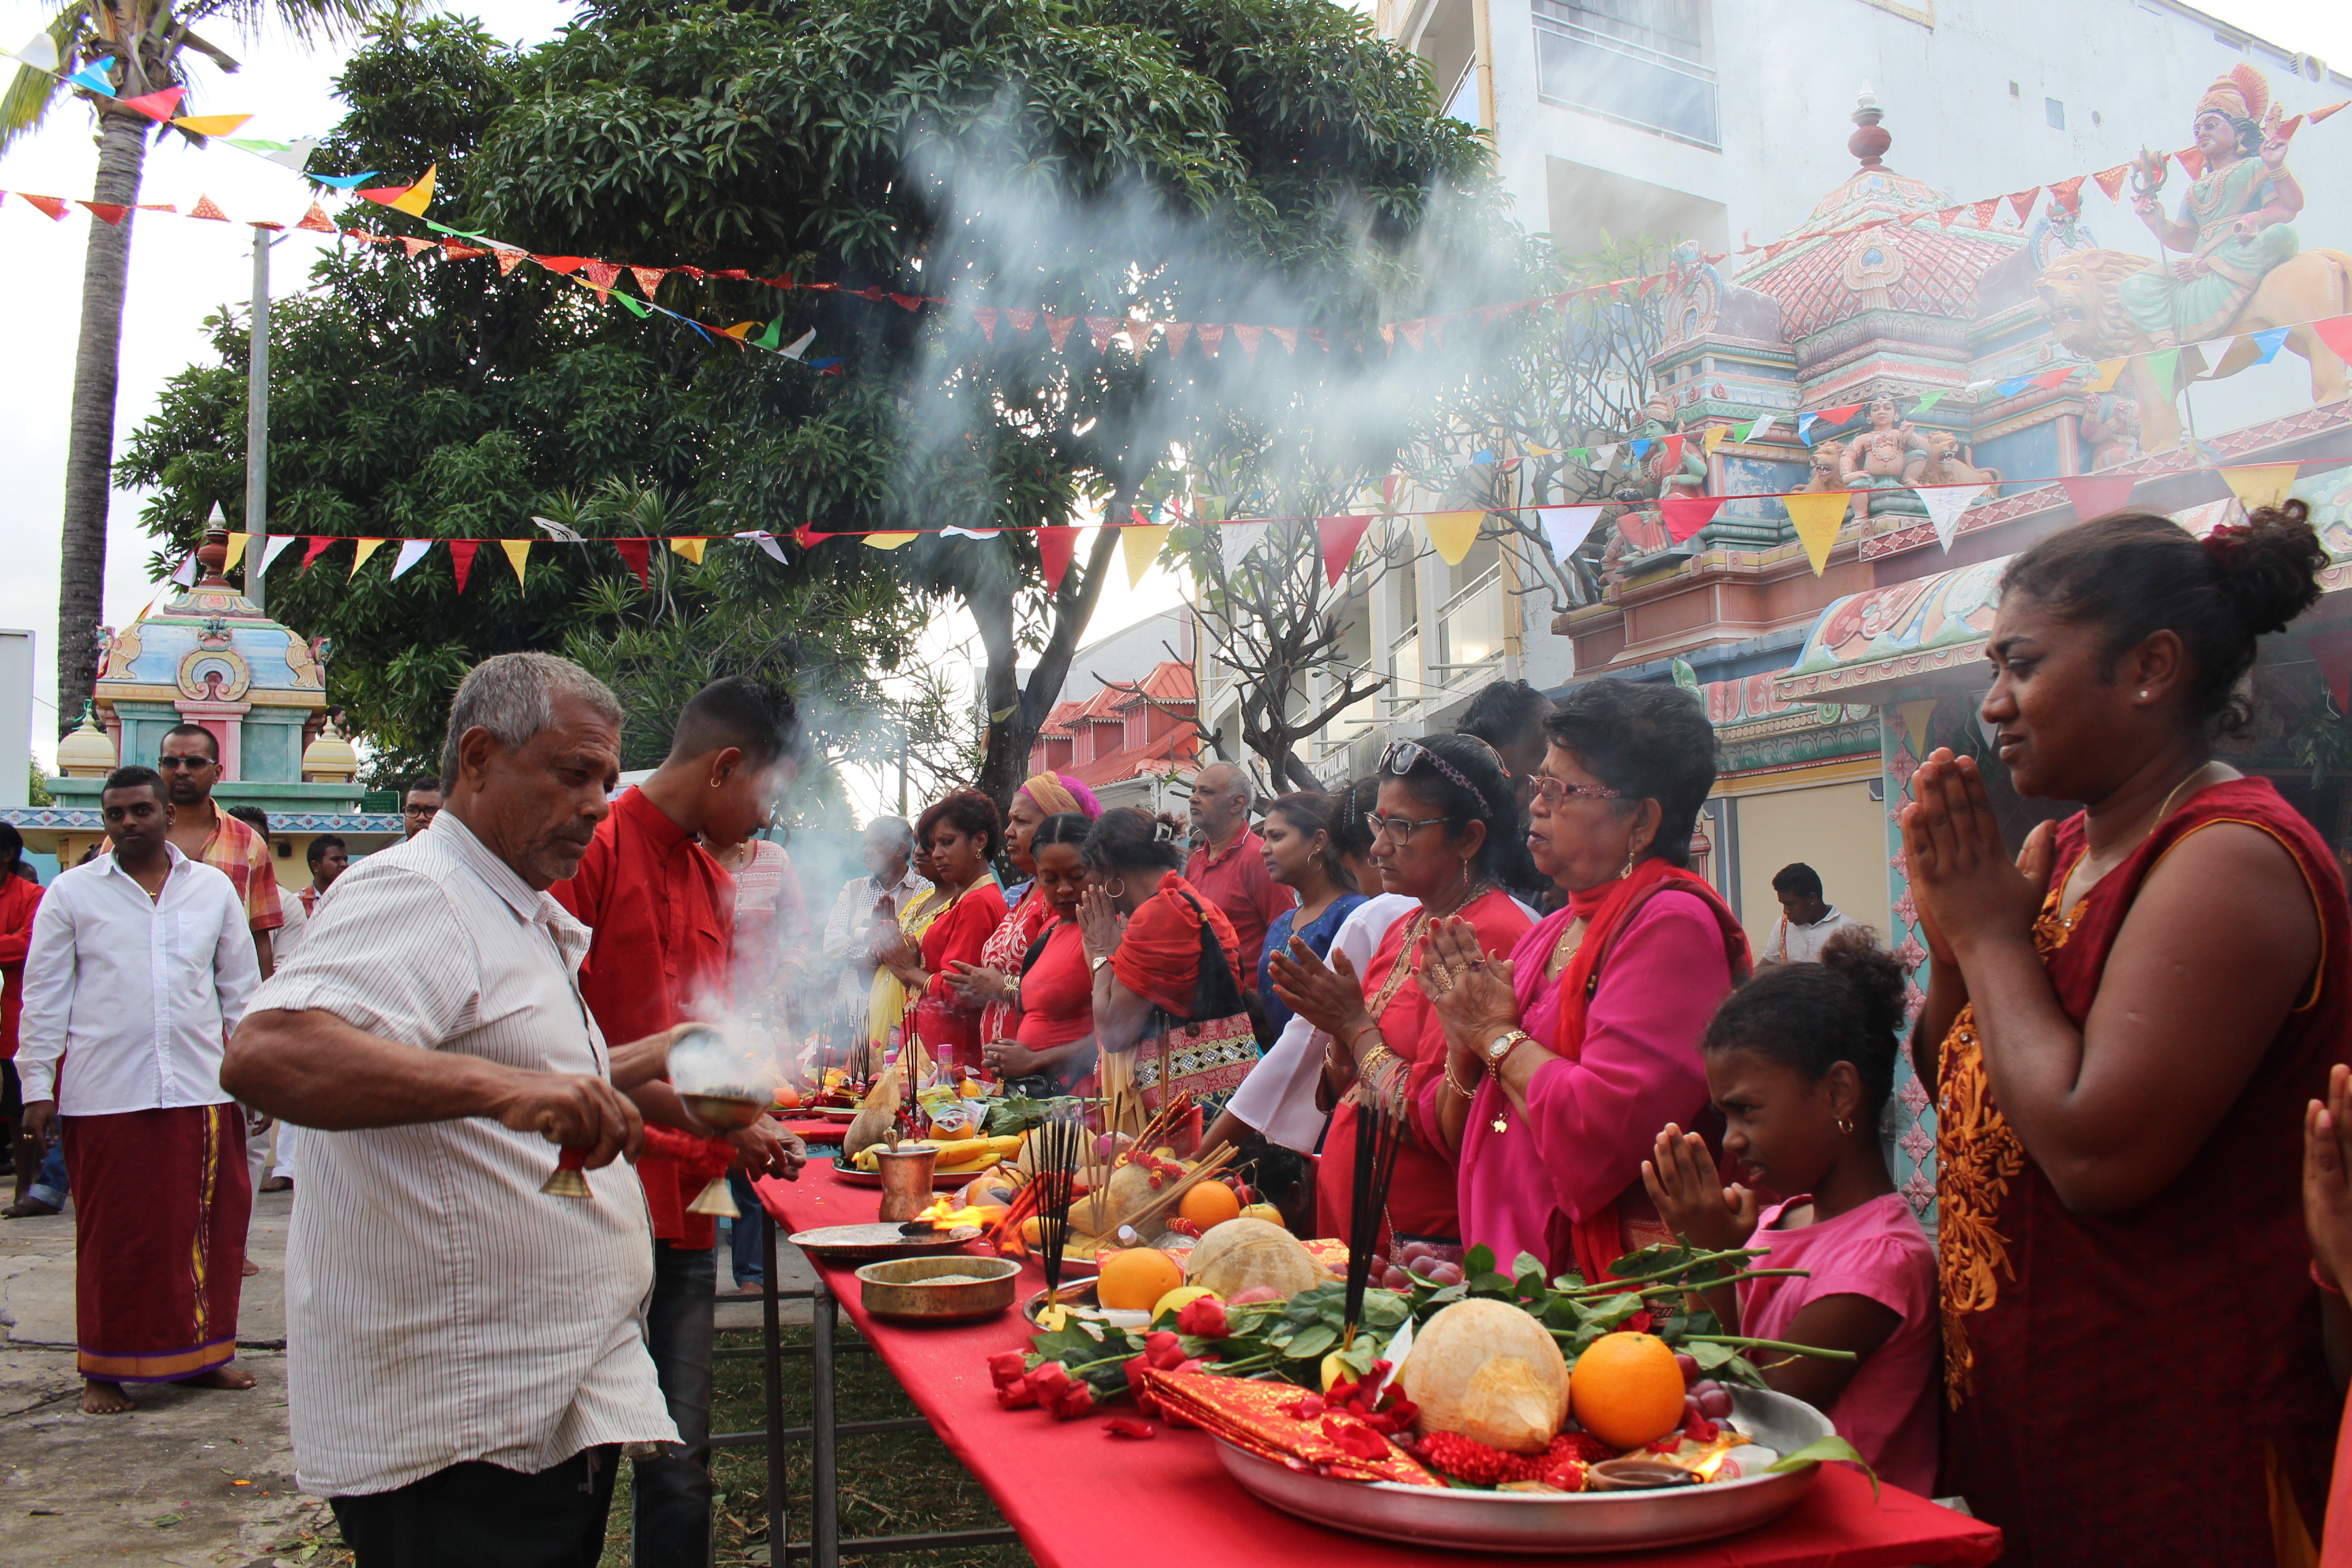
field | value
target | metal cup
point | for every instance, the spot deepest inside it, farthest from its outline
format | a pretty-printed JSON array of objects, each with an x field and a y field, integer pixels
[{"x": 905, "y": 1183}]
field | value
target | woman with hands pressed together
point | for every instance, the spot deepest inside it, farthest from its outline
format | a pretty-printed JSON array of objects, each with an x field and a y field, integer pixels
[
  {"x": 1446, "y": 810},
  {"x": 1561, "y": 1060},
  {"x": 962, "y": 832},
  {"x": 1054, "y": 1026},
  {"x": 1799, "y": 1062},
  {"x": 2131, "y": 1016},
  {"x": 993, "y": 983}
]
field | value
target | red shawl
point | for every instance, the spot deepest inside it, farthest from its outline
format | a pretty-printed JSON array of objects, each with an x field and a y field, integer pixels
[{"x": 1158, "y": 958}]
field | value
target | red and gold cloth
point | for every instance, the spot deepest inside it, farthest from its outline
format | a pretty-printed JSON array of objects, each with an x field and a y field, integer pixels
[
  {"x": 1257, "y": 1416},
  {"x": 162, "y": 1199}
]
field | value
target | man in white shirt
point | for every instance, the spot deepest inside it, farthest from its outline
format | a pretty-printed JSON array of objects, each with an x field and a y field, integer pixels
[
  {"x": 141, "y": 964},
  {"x": 329, "y": 857},
  {"x": 850, "y": 931},
  {"x": 1806, "y": 923},
  {"x": 465, "y": 1362}
]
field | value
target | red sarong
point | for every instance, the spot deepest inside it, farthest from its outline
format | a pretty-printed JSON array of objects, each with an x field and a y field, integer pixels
[{"x": 161, "y": 1204}]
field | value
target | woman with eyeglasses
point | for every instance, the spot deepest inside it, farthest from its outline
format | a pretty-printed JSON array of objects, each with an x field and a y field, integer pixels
[
  {"x": 1563, "y": 1061},
  {"x": 1445, "y": 818}
]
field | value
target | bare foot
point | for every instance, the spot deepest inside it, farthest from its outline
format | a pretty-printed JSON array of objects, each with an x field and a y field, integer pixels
[
  {"x": 276, "y": 1184},
  {"x": 251, "y": 1268},
  {"x": 27, "y": 1208},
  {"x": 104, "y": 1398},
  {"x": 219, "y": 1377}
]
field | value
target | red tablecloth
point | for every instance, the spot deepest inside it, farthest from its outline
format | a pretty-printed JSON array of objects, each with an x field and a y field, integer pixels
[{"x": 1079, "y": 1496}]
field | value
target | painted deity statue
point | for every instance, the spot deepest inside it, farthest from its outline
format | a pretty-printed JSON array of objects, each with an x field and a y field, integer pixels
[
  {"x": 1883, "y": 462},
  {"x": 2235, "y": 223},
  {"x": 1641, "y": 527}
]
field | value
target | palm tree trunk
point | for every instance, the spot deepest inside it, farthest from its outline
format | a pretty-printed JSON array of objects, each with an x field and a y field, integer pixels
[{"x": 90, "y": 446}]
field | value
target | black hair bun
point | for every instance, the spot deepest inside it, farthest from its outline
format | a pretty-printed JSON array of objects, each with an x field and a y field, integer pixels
[
  {"x": 2270, "y": 568},
  {"x": 1874, "y": 974}
]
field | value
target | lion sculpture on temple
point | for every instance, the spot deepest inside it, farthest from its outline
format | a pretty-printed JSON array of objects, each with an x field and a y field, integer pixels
[{"x": 2079, "y": 294}]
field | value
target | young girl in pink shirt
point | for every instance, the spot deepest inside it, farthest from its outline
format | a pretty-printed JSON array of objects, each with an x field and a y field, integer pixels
[{"x": 1800, "y": 1061}]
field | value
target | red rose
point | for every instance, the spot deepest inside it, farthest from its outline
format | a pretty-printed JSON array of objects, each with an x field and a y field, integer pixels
[
  {"x": 1204, "y": 1318},
  {"x": 1007, "y": 1367}
]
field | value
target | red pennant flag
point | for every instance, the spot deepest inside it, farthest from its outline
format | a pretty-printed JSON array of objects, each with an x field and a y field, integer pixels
[
  {"x": 2095, "y": 495},
  {"x": 1340, "y": 535},
  {"x": 509, "y": 260},
  {"x": 1980, "y": 212},
  {"x": 566, "y": 265},
  {"x": 1651, "y": 281},
  {"x": 601, "y": 276},
  {"x": 1773, "y": 250},
  {"x": 2317, "y": 115},
  {"x": 49, "y": 204},
  {"x": 2332, "y": 650},
  {"x": 2021, "y": 203},
  {"x": 1841, "y": 415},
  {"x": 2287, "y": 128},
  {"x": 1685, "y": 515},
  {"x": 1674, "y": 452},
  {"x": 461, "y": 557},
  {"x": 1287, "y": 337},
  {"x": 106, "y": 212},
  {"x": 986, "y": 316},
  {"x": 2112, "y": 180},
  {"x": 1249, "y": 337},
  {"x": 316, "y": 220},
  {"x": 312, "y": 548},
  {"x": 808, "y": 537},
  {"x": 638, "y": 553},
  {"x": 1100, "y": 328},
  {"x": 1946, "y": 214},
  {"x": 1211, "y": 335},
  {"x": 649, "y": 278},
  {"x": 1314, "y": 334},
  {"x": 1437, "y": 327},
  {"x": 1056, "y": 544},
  {"x": 204, "y": 209},
  {"x": 2337, "y": 333},
  {"x": 1176, "y": 332},
  {"x": 2193, "y": 160},
  {"x": 457, "y": 252},
  {"x": 418, "y": 246},
  {"x": 383, "y": 195},
  {"x": 1057, "y": 328},
  {"x": 156, "y": 106},
  {"x": 1021, "y": 319},
  {"x": 2068, "y": 194},
  {"x": 2054, "y": 379},
  {"x": 1411, "y": 330},
  {"x": 1388, "y": 335}
]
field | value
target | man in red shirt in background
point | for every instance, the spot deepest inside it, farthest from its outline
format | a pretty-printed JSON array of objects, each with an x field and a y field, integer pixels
[
  {"x": 1229, "y": 869},
  {"x": 661, "y": 914}
]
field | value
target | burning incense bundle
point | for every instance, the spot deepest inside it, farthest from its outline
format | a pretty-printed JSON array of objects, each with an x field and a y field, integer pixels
[
  {"x": 1378, "y": 1136},
  {"x": 1056, "y": 1146}
]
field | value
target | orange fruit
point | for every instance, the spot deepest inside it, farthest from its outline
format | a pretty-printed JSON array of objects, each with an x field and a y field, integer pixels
[
  {"x": 1626, "y": 1390},
  {"x": 1134, "y": 1280},
  {"x": 1210, "y": 1202},
  {"x": 788, "y": 1098}
]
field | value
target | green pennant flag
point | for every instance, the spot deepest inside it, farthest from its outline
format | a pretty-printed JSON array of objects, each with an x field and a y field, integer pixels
[
  {"x": 1686, "y": 677},
  {"x": 773, "y": 338},
  {"x": 634, "y": 308},
  {"x": 1756, "y": 428},
  {"x": 1581, "y": 457},
  {"x": 1927, "y": 402},
  {"x": 2166, "y": 367}
]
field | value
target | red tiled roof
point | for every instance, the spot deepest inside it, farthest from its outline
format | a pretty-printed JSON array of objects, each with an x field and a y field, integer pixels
[
  {"x": 1177, "y": 749},
  {"x": 1168, "y": 684}
]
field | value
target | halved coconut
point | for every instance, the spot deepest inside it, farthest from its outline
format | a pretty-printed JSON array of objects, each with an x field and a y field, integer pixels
[
  {"x": 1491, "y": 1373},
  {"x": 1243, "y": 1253}
]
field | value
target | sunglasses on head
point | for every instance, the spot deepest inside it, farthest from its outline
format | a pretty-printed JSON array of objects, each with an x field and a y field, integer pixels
[{"x": 1402, "y": 756}]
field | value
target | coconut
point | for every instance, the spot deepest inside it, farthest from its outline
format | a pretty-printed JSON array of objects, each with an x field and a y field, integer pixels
[
  {"x": 1491, "y": 1373},
  {"x": 1128, "y": 1190},
  {"x": 1242, "y": 1253}
]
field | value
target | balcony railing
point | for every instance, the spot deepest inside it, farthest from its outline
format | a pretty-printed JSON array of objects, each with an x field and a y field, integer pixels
[
  {"x": 1403, "y": 690},
  {"x": 1470, "y": 630},
  {"x": 1624, "y": 81}
]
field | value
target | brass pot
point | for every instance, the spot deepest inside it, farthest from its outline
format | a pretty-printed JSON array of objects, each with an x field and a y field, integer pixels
[
  {"x": 976, "y": 1288},
  {"x": 905, "y": 1183}
]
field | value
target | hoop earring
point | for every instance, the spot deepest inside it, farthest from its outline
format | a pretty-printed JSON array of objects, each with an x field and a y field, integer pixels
[
  {"x": 1846, "y": 1124},
  {"x": 1121, "y": 891}
]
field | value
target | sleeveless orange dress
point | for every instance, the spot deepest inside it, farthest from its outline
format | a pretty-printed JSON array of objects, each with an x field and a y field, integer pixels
[{"x": 2145, "y": 1387}]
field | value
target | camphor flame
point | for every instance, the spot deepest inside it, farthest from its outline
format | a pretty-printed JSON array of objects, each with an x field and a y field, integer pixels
[
  {"x": 1717, "y": 1456},
  {"x": 946, "y": 1216}
]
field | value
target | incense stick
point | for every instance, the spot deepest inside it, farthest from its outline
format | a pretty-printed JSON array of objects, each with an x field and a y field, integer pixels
[
  {"x": 1378, "y": 1138},
  {"x": 1058, "y": 1143}
]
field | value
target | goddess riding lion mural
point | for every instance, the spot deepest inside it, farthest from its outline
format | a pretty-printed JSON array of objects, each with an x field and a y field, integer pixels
[{"x": 2243, "y": 270}]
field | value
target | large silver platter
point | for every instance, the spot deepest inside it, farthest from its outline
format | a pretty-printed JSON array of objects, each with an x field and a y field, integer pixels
[{"x": 1537, "y": 1523}]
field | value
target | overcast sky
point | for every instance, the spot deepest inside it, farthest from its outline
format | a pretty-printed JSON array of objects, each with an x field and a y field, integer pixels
[{"x": 181, "y": 271}]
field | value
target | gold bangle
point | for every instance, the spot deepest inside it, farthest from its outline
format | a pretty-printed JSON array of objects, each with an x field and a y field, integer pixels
[{"x": 1448, "y": 1073}]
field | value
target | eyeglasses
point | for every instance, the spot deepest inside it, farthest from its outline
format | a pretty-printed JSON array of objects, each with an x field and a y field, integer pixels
[
  {"x": 1398, "y": 829},
  {"x": 1552, "y": 791},
  {"x": 174, "y": 764},
  {"x": 1403, "y": 756}
]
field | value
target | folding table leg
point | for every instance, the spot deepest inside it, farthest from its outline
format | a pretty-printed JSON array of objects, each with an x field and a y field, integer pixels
[
  {"x": 824, "y": 1504},
  {"x": 773, "y": 1387}
]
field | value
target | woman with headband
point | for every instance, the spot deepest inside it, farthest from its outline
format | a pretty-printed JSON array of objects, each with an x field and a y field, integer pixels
[{"x": 993, "y": 984}]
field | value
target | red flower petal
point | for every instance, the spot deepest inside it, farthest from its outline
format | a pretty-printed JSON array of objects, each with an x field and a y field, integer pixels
[{"x": 1127, "y": 1426}]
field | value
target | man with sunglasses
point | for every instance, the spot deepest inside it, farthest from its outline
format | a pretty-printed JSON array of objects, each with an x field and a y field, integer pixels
[
  {"x": 1229, "y": 868},
  {"x": 189, "y": 763}
]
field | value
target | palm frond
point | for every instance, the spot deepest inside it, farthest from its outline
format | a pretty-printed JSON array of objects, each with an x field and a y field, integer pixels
[{"x": 311, "y": 22}]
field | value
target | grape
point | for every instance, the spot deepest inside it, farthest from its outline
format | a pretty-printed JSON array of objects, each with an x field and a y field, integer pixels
[
  {"x": 1447, "y": 1274},
  {"x": 1690, "y": 1407},
  {"x": 1396, "y": 1280},
  {"x": 1414, "y": 1251},
  {"x": 1704, "y": 1386},
  {"x": 1689, "y": 1365},
  {"x": 1715, "y": 1404}
]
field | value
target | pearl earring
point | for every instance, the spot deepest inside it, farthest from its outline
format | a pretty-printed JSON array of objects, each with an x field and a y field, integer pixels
[{"x": 2143, "y": 696}]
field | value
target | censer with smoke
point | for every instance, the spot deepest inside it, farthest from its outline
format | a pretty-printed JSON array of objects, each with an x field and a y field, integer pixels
[{"x": 725, "y": 1085}]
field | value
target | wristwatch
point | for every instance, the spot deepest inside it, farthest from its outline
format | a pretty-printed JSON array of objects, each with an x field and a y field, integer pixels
[
  {"x": 1096, "y": 966},
  {"x": 1501, "y": 1046}
]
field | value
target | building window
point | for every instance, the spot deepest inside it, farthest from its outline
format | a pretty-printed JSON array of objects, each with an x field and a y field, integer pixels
[
  {"x": 2055, "y": 113},
  {"x": 1639, "y": 62}
]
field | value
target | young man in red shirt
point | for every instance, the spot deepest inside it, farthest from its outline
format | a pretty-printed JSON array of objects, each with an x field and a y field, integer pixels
[{"x": 662, "y": 912}]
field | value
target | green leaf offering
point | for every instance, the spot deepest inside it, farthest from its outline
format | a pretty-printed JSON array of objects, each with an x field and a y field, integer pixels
[{"x": 1829, "y": 1447}]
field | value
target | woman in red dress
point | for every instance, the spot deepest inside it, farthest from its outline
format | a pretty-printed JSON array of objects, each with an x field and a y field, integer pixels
[
  {"x": 2132, "y": 1017},
  {"x": 993, "y": 983},
  {"x": 1448, "y": 827},
  {"x": 962, "y": 832},
  {"x": 1052, "y": 1036}
]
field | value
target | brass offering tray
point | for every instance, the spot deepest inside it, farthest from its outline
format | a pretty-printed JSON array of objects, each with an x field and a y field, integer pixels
[
  {"x": 938, "y": 1290},
  {"x": 875, "y": 1242}
]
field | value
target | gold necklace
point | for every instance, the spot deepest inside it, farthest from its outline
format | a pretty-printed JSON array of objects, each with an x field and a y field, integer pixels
[{"x": 2164, "y": 809}]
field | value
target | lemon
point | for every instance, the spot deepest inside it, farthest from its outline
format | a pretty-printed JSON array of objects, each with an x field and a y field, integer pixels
[{"x": 1179, "y": 1298}]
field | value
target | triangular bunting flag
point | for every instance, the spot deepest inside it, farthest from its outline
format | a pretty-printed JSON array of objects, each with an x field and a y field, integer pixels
[
  {"x": 640, "y": 311},
  {"x": 312, "y": 549},
  {"x": 648, "y": 278},
  {"x": 1176, "y": 332},
  {"x": 516, "y": 549},
  {"x": 107, "y": 213},
  {"x": 1141, "y": 546},
  {"x": 1817, "y": 515},
  {"x": 2112, "y": 180},
  {"x": 692, "y": 548},
  {"x": 93, "y": 79},
  {"x": 156, "y": 106},
  {"x": 1057, "y": 328},
  {"x": 799, "y": 345},
  {"x": 316, "y": 221},
  {"x": 1980, "y": 212},
  {"x": 2095, "y": 495},
  {"x": 461, "y": 558},
  {"x": 638, "y": 553},
  {"x": 2260, "y": 484},
  {"x": 986, "y": 316},
  {"x": 205, "y": 209},
  {"x": 1056, "y": 544},
  {"x": 367, "y": 547},
  {"x": 345, "y": 182},
  {"x": 1642, "y": 446},
  {"x": 2164, "y": 369},
  {"x": 507, "y": 259},
  {"x": 1675, "y": 452},
  {"x": 1339, "y": 537},
  {"x": 40, "y": 52},
  {"x": 1249, "y": 337},
  {"x": 1915, "y": 717},
  {"x": 767, "y": 540},
  {"x": 1945, "y": 503},
  {"x": 185, "y": 574},
  {"x": 2021, "y": 203},
  {"x": 1944, "y": 216},
  {"x": 210, "y": 124},
  {"x": 2103, "y": 378},
  {"x": 415, "y": 246},
  {"x": 417, "y": 197},
  {"x": 1212, "y": 334},
  {"x": 1715, "y": 437},
  {"x": 564, "y": 265},
  {"x": 948, "y": 531},
  {"x": 1022, "y": 320},
  {"x": 1841, "y": 414},
  {"x": 2053, "y": 379},
  {"x": 602, "y": 276},
  {"x": 2337, "y": 333},
  {"x": 1453, "y": 533},
  {"x": 888, "y": 540},
  {"x": 2317, "y": 115},
  {"x": 412, "y": 551},
  {"x": 2267, "y": 341},
  {"x": 1100, "y": 328},
  {"x": 2193, "y": 160},
  {"x": 295, "y": 155},
  {"x": 1685, "y": 515},
  {"x": 1805, "y": 423},
  {"x": 1927, "y": 402},
  {"x": 1602, "y": 456},
  {"x": 2067, "y": 194},
  {"x": 277, "y": 546},
  {"x": 1757, "y": 431},
  {"x": 1567, "y": 527},
  {"x": 237, "y": 544},
  {"x": 1287, "y": 337}
]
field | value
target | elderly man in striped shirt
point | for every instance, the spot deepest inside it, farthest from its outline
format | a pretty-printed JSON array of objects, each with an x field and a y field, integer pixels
[{"x": 465, "y": 1357}]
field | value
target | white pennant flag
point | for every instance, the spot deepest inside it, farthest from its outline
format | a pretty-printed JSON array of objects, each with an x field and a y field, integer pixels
[
  {"x": 562, "y": 533},
  {"x": 297, "y": 156},
  {"x": 1235, "y": 540},
  {"x": 951, "y": 531},
  {"x": 40, "y": 52},
  {"x": 799, "y": 345},
  {"x": 1945, "y": 503},
  {"x": 764, "y": 540},
  {"x": 412, "y": 551},
  {"x": 1602, "y": 456},
  {"x": 186, "y": 576},
  {"x": 1758, "y": 431},
  {"x": 1567, "y": 526},
  {"x": 274, "y": 547}
]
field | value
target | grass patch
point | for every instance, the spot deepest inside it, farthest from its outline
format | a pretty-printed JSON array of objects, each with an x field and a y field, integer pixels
[{"x": 891, "y": 1483}]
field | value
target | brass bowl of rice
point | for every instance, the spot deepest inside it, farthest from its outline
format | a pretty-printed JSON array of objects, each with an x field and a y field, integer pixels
[{"x": 947, "y": 1290}]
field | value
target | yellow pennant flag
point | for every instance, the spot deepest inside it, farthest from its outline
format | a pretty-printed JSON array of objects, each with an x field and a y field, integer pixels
[
  {"x": 417, "y": 197},
  {"x": 1817, "y": 516},
  {"x": 690, "y": 548},
  {"x": 516, "y": 550},
  {"x": 2104, "y": 380},
  {"x": 1139, "y": 543},
  {"x": 237, "y": 542},
  {"x": 1453, "y": 532},
  {"x": 210, "y": 124},
  {"x": 1915, "y": 717},
  {"x": 2254, "y": 484},
  {"x": 1715, "y": 437},
  {"x": 888, "y": 540},
  {"x": 359, "y": 557}
]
